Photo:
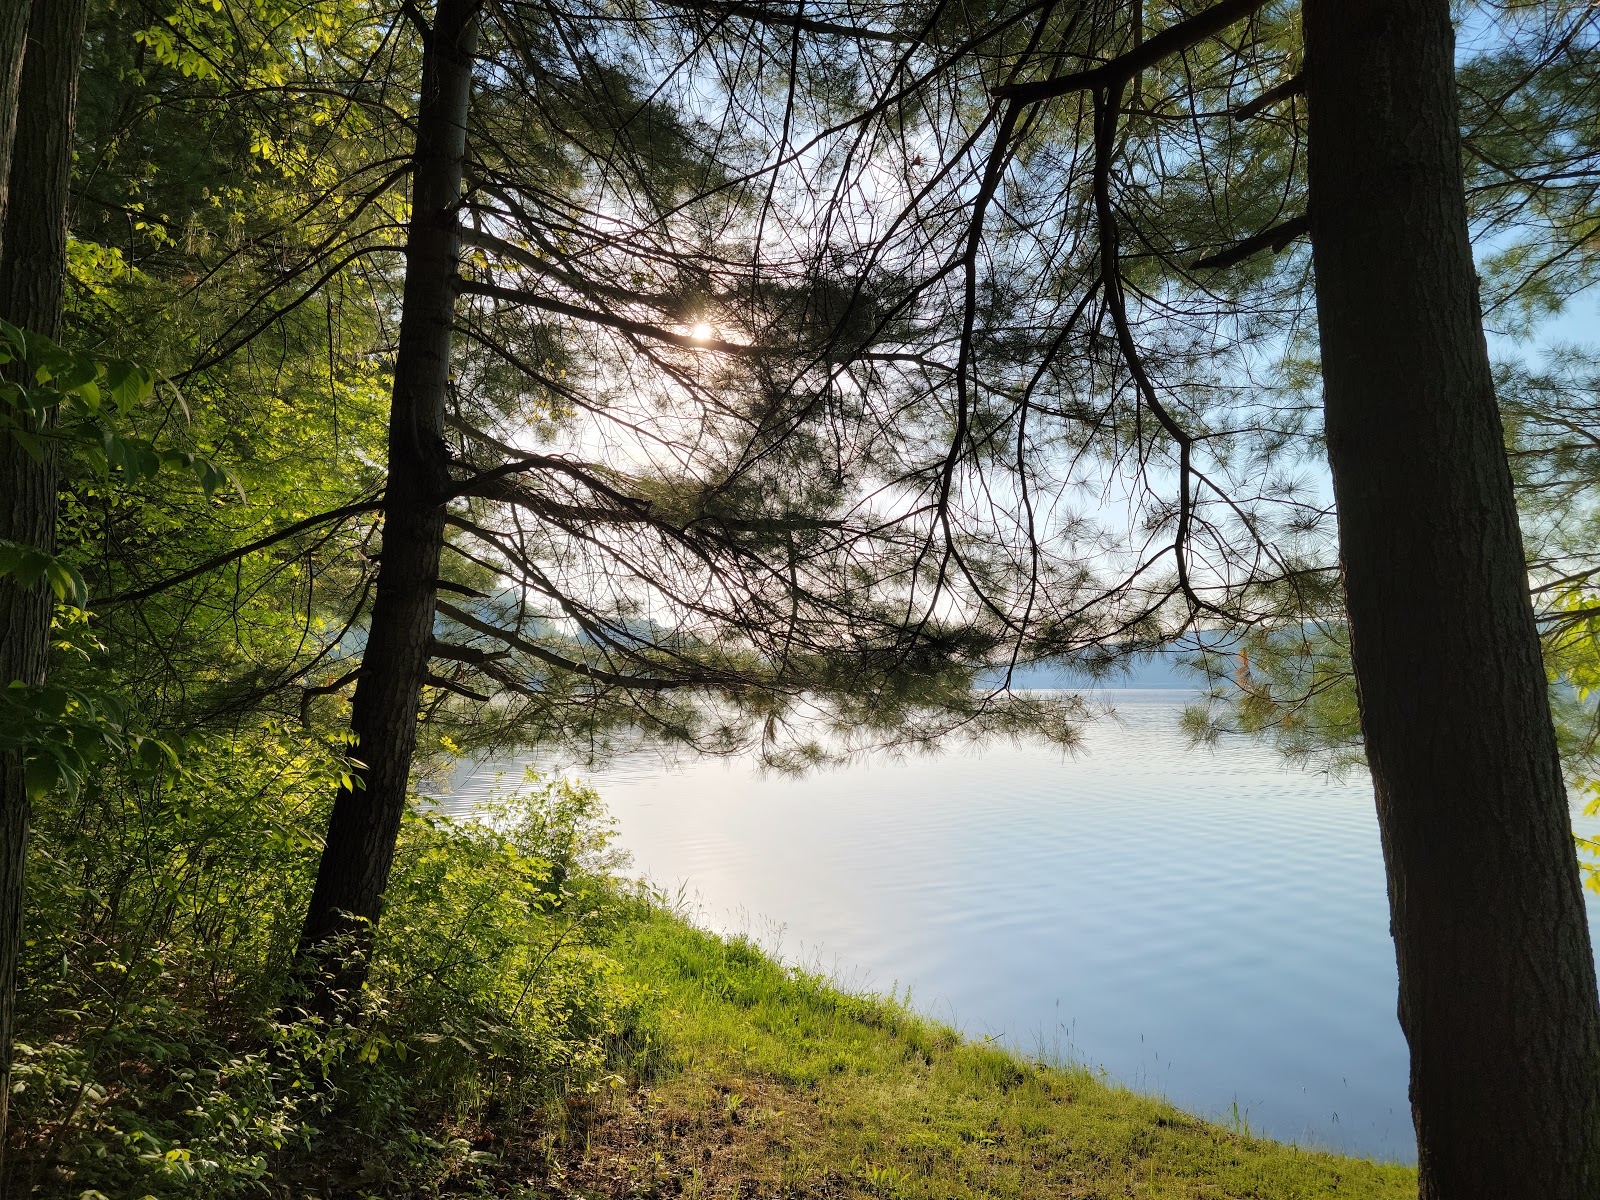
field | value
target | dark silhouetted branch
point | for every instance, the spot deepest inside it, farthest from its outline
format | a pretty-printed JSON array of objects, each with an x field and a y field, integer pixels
[
  {"x": 549, "y": 657},
  {"x": 326, "y": 689},
  {"x": 1295, "y": 85},
  {"x": 450, "y": 685},
  {"x": 790, "y": 20},
  {"x": 1274, "y": 239},
  {"x": 577, "y": 312},
  {"x": 1117, "y": 71},
  {"x": 222, "y": 560}
]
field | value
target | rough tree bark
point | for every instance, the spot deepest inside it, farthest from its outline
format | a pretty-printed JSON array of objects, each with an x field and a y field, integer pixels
[
  {"x": 32, "y": 277},
  {"x": 1497, "y": 983},
  {"x": 359, "y": 852},
  {"x": 13, "y": 38}
]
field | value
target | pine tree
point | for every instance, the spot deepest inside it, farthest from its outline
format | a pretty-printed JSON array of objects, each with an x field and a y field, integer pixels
[{"x": 1113, "y": 204}]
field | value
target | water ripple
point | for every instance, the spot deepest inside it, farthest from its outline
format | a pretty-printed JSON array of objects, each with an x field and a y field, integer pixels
[{"x": 1201, "y": 923}]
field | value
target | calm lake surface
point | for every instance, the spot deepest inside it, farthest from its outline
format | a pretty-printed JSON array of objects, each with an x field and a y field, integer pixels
[{"x": 1206, "y": 925}]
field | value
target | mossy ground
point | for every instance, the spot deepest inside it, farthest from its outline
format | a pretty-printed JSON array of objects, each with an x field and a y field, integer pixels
[{"x": 765, "y": 1082}]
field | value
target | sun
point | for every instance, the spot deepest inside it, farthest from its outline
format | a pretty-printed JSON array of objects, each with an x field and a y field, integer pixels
[{"x": 701, "y": 331}]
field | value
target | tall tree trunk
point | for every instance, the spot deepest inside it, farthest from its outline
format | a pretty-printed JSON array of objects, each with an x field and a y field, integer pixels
[
  {"x": 1497, "y": 984},
  {"x": 32, "y": 276},
  {"x": 13, "y": 38},
  {"x": 359, "y": 852}
]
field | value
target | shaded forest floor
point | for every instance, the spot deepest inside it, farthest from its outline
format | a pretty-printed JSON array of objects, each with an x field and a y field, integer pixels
[{"x": 771, "y": 1083}]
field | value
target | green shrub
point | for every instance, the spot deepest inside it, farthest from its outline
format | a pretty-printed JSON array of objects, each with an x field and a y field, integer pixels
[{"x": 153, "y": 1060}]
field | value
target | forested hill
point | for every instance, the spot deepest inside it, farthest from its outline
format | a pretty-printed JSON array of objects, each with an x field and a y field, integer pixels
[{"x": 1151, "y": 672}]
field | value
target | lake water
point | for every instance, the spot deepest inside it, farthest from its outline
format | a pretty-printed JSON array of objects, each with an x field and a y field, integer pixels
[{"x": 1207, "y": 925}]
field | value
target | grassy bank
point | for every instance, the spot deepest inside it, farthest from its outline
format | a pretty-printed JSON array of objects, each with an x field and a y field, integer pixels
[
  {"x": 532, "y": 1028},
  {"x": 769, "y": 1082}
]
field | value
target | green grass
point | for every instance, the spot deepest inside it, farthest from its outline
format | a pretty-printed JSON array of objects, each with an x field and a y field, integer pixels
[{"x": 765, "y": 1081}]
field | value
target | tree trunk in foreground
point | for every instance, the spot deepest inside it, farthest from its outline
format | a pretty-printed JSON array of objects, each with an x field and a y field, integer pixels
[
  {"x": 32, "y": 276},
  {"x": 359, "y": 852},
  {"x": 13, "y": 37},
  {"x": 1497, "y": 983}
]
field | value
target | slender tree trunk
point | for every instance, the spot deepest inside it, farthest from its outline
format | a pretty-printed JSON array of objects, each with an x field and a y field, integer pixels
[
  {"x": 32, "y": 276},
  {"x": 1497, "y": 983},
  {"x": 359, "y": 852},
  {"x": 13, "y": 37}
]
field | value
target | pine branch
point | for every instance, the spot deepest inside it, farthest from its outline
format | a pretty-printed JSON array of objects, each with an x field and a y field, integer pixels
[
  {"x": 1169, "y": 41},
  {"x": 445, "y": 585},
  {"x": 450, "y": 685},
  {"x": 470, "y": 655},
  {"x": 222, "y": 560},
  {"x": 794, "y": 20},
  {"x": 326, "y": 689},
  {"x": 645, "y": 329},
  {"x": 1295, "y": 85},
  {"x": 533, "y": 650},
  {"x": 1275, "y": 238}
]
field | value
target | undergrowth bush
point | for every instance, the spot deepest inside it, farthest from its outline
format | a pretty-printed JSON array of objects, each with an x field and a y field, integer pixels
[{"x": 154, "y": 1059}]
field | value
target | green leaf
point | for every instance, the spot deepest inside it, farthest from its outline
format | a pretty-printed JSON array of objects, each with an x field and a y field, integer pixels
[
  {"x": 47, "y": 359},
  {"x": 156, "y": 757},
  {"x": 212, "y": 477},
  {"x": 128, "y": 384},
  {"x": 40, "y": 774},
  {"x": 67, "y": 584},
  {"x": 52, "y": 702},
  {"x": 77, "y": 372},
  {"x": 146, "y": 462},
  {"x": 12, "y": 344},
  {"x": 183, "y": 402},
  {"x": 27, "y": 565}
]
